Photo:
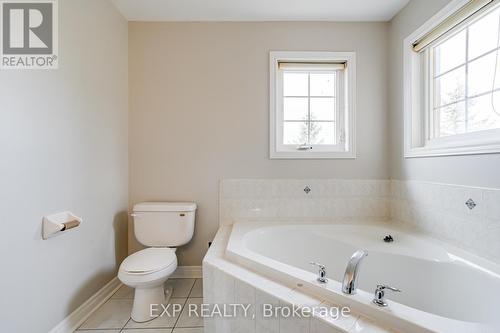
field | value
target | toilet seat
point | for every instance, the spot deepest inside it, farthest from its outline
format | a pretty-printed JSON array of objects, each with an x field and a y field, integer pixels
[{"x": 149, "y": 260}]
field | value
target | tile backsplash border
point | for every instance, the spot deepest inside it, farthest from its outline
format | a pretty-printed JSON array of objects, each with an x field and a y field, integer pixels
[
  {"x": 440, "y": 210},
  {"x": 434, "y": 208},
  {"x": 302, "y": 200}
]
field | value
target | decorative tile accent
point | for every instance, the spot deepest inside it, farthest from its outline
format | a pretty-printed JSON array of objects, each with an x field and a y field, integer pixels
[
  {"x": 302, "y": 200},
  {"x": 434, "y": 208},
  {"x": 470, "y": 204},
  {"x": 439, "y": 210}
]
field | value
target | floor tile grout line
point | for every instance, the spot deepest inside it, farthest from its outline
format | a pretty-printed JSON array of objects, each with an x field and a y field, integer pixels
[
  {"x": 124, "y": 329},
  {"x": 187, "y": 299},
  {"x": 129, "y": 319},
  {"x": 180, "y": 314},
  {"x": 171, "y": 297},
  {"x": 96, "y": 329},
  {"x": 192, "y": 287},
  {"x": 183, "y": 307}
]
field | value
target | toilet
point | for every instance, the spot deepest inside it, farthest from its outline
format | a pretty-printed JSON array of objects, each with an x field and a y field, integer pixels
[{"x": 161, "y": 226}]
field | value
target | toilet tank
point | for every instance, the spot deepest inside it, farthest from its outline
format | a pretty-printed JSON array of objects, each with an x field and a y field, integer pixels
[{"x": 164, "y": 223}]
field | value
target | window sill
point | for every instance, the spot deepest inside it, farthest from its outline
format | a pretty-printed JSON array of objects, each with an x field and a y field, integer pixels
[
  {"x": 309, "y": 155},
  {"x": 453, "y": 150}
]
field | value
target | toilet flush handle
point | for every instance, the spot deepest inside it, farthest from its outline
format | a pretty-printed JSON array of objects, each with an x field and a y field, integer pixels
[{"x": 135, "y": 215}]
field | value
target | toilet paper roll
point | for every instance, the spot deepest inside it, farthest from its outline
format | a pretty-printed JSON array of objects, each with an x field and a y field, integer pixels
[{"x": 70, "y": 225}]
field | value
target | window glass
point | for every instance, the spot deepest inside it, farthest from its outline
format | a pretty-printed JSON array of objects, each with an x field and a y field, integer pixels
[
  {"x": 310, "y": 119},
  {"x": 483, "y": 35},
  {"x": 295, "y": 108},
  {"x": 323, "y": 108},
  {"x": 452, "y": 119},
  {"x": 322, "y": 84},
  {"x": 466, "y": 79},
  {"x": 483, "y": 112},
  {"x": 450, "y": 87},
  {"x": 295, "y": 84},
  {"x": 450, "y": 53},
  {"x": 295, "y": 133},
  {"x": 481, "y": 75},
  {"x": 322, "y": 133}
]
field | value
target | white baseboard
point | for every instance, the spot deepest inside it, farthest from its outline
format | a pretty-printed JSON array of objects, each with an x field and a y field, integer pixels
[
  {"x": 77, "y": 317},
  {"x": 193, "y": 272}
]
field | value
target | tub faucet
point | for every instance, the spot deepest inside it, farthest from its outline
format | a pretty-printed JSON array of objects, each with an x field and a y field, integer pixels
[
  {"x": 380, "y": 294},
  {"x": 349, "y": 283},
  {"x": 321, "y": 272}
]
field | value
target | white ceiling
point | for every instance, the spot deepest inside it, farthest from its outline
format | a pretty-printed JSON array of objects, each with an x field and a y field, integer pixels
[{"x": 259, "y": 10}]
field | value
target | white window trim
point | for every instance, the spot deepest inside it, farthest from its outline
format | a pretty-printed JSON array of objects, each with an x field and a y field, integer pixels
[
  {"x": 349, "y": 115},
  {"x": 415, "y": 116}
]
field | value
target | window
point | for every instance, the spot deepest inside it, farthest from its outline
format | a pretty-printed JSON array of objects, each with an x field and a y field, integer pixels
[
  {"x": 452, "y": 77},
  {"x": 311, "y": 105}
]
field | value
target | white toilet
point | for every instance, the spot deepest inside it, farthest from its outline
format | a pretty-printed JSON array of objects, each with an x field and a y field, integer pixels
[{"x": 161, "y": 226}]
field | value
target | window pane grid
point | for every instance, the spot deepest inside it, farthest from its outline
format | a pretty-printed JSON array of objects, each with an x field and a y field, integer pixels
[
  {"x": 308, "y": 121},
  {"x": 469, "y": 61},
  {"x": 312, "y": 96},
  {"x": 449, "y": 71},
  {"x": 489, "y": 92},
  {"x": 466, "y": 78},
  {"x": 455, "y": 90},
  {"x": 317, "y": 123}
]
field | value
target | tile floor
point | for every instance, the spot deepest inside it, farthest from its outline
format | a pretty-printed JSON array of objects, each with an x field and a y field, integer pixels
[{"x": 114, "y": 315}]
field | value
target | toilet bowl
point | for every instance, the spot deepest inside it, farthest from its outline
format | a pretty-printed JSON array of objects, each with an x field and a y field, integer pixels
[
  {"x": 147, "y": 271},
  {"x": 162, "y": 226}
]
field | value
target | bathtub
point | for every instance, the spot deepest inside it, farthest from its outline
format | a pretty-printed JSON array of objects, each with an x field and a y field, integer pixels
[{"x": 443, "y": 288}]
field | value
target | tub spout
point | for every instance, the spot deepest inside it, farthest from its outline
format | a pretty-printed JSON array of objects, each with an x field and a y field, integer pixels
[{"x": 349, "y": 284}]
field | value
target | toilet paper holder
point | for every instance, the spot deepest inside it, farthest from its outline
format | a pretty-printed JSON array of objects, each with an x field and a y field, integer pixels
[{"x": 57, "y": 223}]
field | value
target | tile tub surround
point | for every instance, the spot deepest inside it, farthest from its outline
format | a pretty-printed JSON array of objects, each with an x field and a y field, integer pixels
[
  {"x": 228, "y": 283},
  {"x": 288, "y": 199},
  {"x": 440, "y": 210},
  {"x": 433, "y": 208}
]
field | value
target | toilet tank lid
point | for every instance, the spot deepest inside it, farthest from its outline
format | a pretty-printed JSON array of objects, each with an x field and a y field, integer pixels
[{"x": 165, "y": 207}]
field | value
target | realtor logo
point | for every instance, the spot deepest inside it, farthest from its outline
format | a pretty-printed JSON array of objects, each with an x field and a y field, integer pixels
[{"x": 29, "y": 34}]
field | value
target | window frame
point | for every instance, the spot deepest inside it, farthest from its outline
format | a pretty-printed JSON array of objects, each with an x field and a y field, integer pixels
[
  {"x": 345, "y": 118},
  {"x": 419, "y": 113}
]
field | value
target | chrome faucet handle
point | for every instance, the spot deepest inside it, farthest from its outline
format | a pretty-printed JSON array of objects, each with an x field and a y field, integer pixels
[
  {"x": 317, "y": 264},
  {"x": 384, "y": 286},
  {"x": 321, "y": 272},
  {"x": 378, "y": 298}
]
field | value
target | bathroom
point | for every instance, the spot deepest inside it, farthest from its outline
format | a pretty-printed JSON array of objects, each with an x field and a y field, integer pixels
[{"x": 264, "y": 166}]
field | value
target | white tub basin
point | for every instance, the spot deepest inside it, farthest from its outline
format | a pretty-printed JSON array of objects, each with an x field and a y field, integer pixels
[{"x": 444, "y": 289}]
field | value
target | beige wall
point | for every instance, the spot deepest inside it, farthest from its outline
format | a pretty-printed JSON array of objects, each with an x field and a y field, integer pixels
[
  {"x": 199, "y": 96},
  {"x": 63, "y": 146},
  {"x": 474, "y": 170}
]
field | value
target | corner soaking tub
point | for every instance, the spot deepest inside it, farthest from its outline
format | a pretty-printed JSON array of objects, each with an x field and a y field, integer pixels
[{"x": 443, "y": 289}]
